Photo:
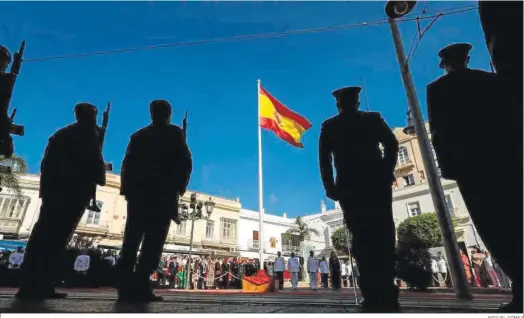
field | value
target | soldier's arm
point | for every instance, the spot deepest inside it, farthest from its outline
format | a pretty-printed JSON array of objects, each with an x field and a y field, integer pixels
[
  {"x": 126, "y": 170},
  {"x": 325, "y": 152},
  {"x": 185, "y": 163},
  {"x": 388, "y": 141},
  {"x": 435, "y": 119},
  {"x": 98, "y": 161}
]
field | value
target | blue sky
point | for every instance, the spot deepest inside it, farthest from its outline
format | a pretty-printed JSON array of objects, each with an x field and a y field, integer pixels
[{"x": 216, "y": 83}]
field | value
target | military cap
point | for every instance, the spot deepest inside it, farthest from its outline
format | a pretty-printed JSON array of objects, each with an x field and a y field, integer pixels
[
  {"x": 4, "y": 54},
  {"x": 85, "y": 110},
  {"x": 350, "y": 92},
  {"x": 454, "y": 52}
]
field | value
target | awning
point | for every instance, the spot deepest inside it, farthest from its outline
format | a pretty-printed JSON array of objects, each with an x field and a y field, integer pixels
[
  {"x": 12, "y": 245},
  {"x": 172, "y": 251}
]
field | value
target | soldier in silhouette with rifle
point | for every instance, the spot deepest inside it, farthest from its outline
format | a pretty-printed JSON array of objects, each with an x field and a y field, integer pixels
[
  {"x": 155, "y": 172},
  {"x": 71, "y": 168},
  {"x": 7, "y": 83},
  {"x": 363, "y": 188}
]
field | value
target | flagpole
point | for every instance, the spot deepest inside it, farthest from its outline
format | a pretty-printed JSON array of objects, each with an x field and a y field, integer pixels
[{"x": 260, "y": 186}]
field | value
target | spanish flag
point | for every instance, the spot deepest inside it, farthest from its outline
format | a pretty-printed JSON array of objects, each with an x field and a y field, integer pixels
[{"x": 286, "y": 124}]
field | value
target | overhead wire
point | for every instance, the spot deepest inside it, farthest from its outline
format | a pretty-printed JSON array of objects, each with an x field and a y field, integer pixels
[{"x": 454, "y": 10}]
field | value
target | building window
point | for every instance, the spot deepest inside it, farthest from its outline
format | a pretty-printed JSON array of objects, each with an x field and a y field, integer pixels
[
  {"x": 11, "y": 207},
  {"x": 414, "y": 209},
  {"x": 181, "y": 228},
  {"x": 336, "y": 226},
  {"x": 210, "y": 229},
  {"x": 409, "y": 180},
  {"x": 92, "y": 216},
  {"x": 229, "y": 228},
  {"x": 403, "y": 156}
]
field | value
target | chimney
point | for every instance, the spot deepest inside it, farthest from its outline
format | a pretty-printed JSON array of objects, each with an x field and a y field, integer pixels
[
  {"x": 284, "y": 215},
  {"x": 337, "y": 206},
  {"x": 322, "y": 207}
]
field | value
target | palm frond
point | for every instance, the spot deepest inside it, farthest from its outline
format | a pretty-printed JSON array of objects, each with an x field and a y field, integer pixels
[{"x": 11, "y": 180}]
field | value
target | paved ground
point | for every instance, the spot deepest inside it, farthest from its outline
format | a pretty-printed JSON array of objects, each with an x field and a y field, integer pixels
[{"x": 303, "y": 301}]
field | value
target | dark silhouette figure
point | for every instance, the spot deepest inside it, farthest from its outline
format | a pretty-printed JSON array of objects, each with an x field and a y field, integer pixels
[
  {"x": 460, "y": 111},
  {"x": 71, "y": 168},
  {"x": 363, "y": 188},
  {"x": 6, "y": 83},
  {"x": 334, "y": 270},
  {"x": 502, "y": 25},
  {"x": 155, "y": 172}
]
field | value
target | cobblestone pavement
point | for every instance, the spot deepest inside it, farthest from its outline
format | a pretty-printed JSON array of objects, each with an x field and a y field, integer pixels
[{"x": 286, "y": 302}]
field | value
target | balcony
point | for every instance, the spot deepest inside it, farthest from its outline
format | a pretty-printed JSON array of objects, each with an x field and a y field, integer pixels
[
  {"x": 179, "y": 238},
  {"x": 253, "y": 244},
  {"x": 404, "y": 165},
  {"x": 93, "y": 228},
  {"x": 10, "y": 225},
  {"x": 228, "y": 241},
  {"x": 290, "y": 249}
]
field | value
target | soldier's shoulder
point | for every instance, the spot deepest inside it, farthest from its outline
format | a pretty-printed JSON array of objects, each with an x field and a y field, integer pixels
[
  {"x": 373, "y": 115},
  {"x": 175, "y": 129},
  {"x": 141, "y": 132},
  {"x": 64, "y": 132},
  {"x": 330, "y": 121},
  {"x": 439, "y": 81}
]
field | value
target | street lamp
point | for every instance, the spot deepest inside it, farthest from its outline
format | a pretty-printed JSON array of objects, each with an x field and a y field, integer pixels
[
  {"x": 395, "y": 10},
  {"x": 194, "y": 213}
]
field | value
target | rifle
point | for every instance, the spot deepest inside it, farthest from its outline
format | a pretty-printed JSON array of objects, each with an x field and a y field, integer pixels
[
  {"x": 184, "y": 125},
  {"x": 107, "y": 166},
  {"x": 9, "y": 127}
]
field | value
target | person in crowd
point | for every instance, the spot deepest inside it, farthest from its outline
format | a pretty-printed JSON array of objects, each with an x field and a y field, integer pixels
[
  {"x": 343, "y": 273},
  {"x": 488, "y": 263},
  {"x": 477, "y": 260},
  {"x": 312, "y": 269},
  {"x": 324, "y": 272},
  {"x": 434, "y": 270},
  {"x": 443, "y": 270},
  {"x": 16, "y": 258},
  {"x": 81, "y": 268},
  {"x": 280, "y": 268},
  {"x": 467, "y": 266},
  {"x": 334, "y": 270},
  {"x": 293, "y": 266}
]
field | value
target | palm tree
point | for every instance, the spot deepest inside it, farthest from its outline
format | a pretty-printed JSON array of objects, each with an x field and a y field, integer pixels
[
  {"x": 11, "y": 180},
  {"x": 302, "y": 230}
]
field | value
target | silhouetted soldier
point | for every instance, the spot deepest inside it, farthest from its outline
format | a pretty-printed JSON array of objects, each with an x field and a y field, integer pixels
[
  {"x": 155, "y": 172},
  {"x": 71, "y": 168},
  {"x": 463, "y": 126},
  {"x": 502, "y": 25},
  {"x": 363, "y": 188},
  {"x": 6, "y": 79}
]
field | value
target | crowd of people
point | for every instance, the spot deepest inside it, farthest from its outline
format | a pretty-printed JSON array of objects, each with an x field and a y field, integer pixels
[{"x": 482, "y": 271}]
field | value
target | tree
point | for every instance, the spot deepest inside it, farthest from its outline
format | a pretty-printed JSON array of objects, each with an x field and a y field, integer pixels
[
  {"x": 421, "y": 231},
  {"x": 11, "y": 180},
  {"x": 81, "y": 242},
  {"x": 339, "y": 240},
  {"x": 302, "y": 230}
]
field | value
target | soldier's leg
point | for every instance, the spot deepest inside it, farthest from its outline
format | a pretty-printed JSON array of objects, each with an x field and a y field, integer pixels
[
  {"x": 152, "y": 247},
  {"x": 134, "y": 232},
  {"x": 506, "y": 201},
  {"x": 373, "y": 245}
]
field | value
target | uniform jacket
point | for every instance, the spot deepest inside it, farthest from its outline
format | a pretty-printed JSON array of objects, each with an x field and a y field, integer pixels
[
  {"x": 353, "y": 141},
  {"x": 461, "y": 107},
  {"x": 73, "y": 160},
  {"x": 157, "y": 163}
]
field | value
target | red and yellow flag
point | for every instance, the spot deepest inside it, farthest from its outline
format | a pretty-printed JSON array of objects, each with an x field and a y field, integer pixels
[{"x": 286, "y": 124}]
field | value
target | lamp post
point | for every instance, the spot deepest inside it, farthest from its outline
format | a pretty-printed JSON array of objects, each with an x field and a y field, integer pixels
[
  {"x": 194, "y": 213},
  {"x": 395, "y": 10}
]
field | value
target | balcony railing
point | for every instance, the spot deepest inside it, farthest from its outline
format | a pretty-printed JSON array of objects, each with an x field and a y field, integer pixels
[
  {"x": 228, "y": 241},
  {"x": 402, "y": 165},
  {"x": 253, "y": 244},
  {"x": 103, "y": 228},
  {"x": 290, "y": 249},
  {"x": 10, "y": 225}
]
